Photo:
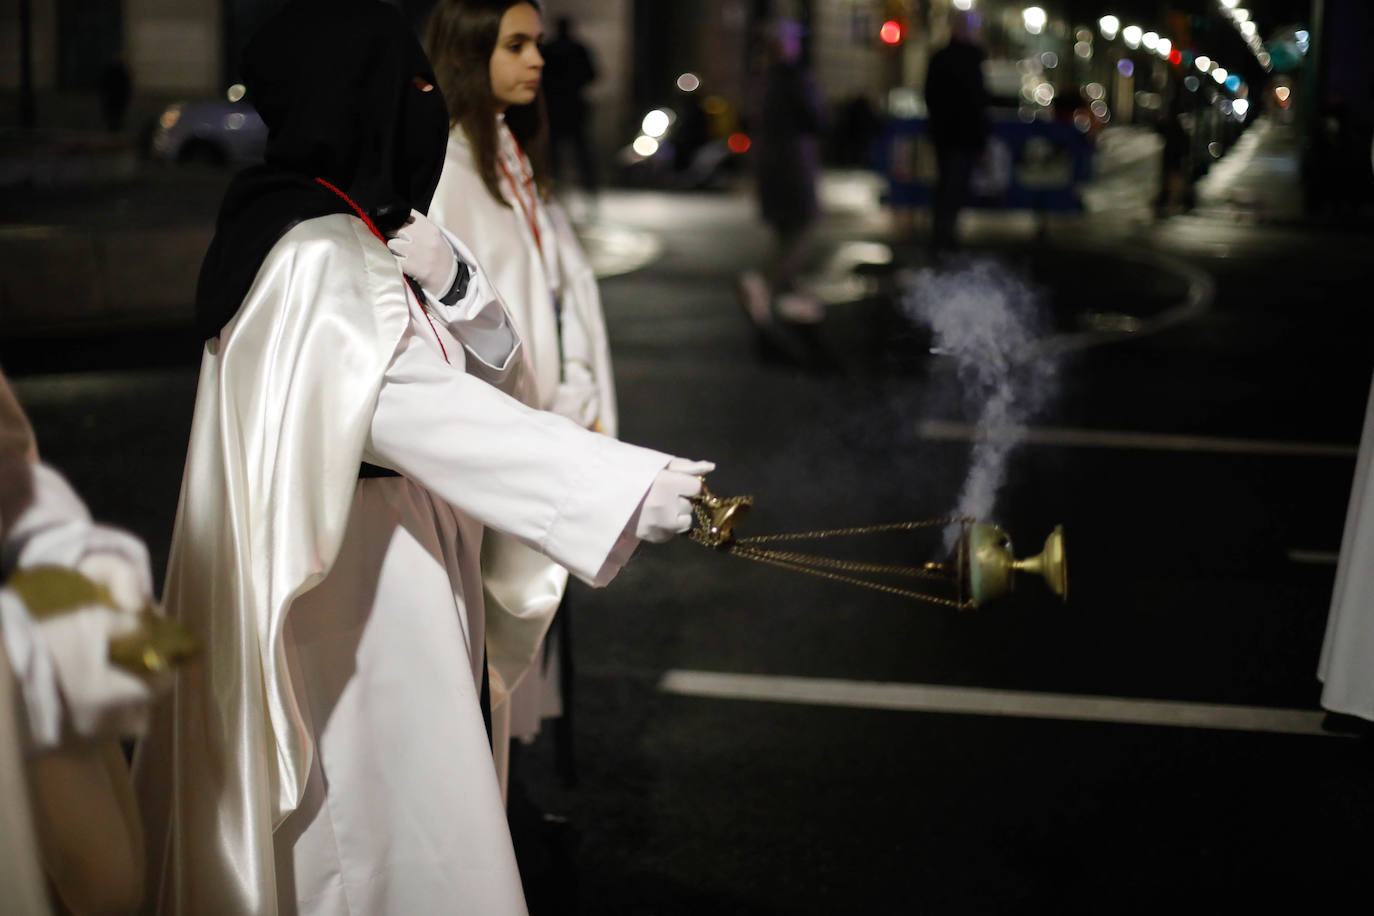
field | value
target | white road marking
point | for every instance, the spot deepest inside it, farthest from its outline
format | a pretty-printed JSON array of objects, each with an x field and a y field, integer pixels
[
  {"x": 1314, "y": 557},
  {"x": 946, "y": 430},
  {"x": 983, "y": 702}
]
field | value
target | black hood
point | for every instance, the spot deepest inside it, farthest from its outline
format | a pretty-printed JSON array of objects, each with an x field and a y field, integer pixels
[{"x": 334, "y": 83}]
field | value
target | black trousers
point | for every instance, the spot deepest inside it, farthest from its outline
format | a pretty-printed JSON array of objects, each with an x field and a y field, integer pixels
[{"x": 955, "y": 170}]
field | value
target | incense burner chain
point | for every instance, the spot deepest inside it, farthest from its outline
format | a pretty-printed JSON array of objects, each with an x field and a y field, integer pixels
[{"x": 980, "y": 568}]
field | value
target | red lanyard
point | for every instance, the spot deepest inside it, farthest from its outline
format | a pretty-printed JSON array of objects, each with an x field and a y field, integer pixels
[
  {"x": 377, "y": 232},
  {"x": 531, "y": 210}
]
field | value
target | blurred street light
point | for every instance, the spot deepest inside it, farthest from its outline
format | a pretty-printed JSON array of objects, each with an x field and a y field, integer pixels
[
  {"x": 1131, "y": 35},
  {"x": 656, "y": 123},
  {"x": 1109, "y": 26},
  {"x": 1034, "y": 18}
]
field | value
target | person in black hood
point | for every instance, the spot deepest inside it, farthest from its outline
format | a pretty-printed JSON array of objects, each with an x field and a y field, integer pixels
[
  {"x": 347, "y": 96},
  {"x": 348, "y": 450}
]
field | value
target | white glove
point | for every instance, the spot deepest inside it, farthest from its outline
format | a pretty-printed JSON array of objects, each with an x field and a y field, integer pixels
[
  {"x": 666, "y": 510},
  {"x": 425, "y": 255}
]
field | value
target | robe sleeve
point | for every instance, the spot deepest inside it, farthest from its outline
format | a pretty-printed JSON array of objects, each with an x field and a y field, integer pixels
[
  {"x": 564, "y": 491},
  {"x": 61, "y": 663},
  {"x": 479, "y": 319}
]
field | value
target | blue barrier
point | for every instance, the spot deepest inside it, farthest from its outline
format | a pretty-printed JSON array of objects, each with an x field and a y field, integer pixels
[{"x": 1026, "y": 166}]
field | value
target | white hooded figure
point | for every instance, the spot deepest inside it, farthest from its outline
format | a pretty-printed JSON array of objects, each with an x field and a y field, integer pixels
[
  {"x": 494, "y": 192},
  {"x": 349, "y": 449}
]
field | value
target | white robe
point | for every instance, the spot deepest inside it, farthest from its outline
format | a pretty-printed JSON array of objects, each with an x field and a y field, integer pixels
[
  {"x": 1347, "y": 659},
  {"x": 566, "y": 367},
  {"x": 350, "y": 727}
]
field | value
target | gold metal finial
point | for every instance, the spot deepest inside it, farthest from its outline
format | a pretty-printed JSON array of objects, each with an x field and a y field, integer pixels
[{"x": 717, "y": 517}]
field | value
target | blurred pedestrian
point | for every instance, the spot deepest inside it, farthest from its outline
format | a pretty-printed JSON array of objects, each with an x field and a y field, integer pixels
[
  {"x": 1176, "y": 190},
  {"x": 957, "y": 102},
  {"x": 1346, "y": 667},
  {"x": 495, "y": 191},
  {"x": 569, "y": 69},
  {"x": 347, "y": 451},
  {"x": 116, "y": 90},
  {"x": 66, "y": 803},
  {"x": 789, "y": 119}
]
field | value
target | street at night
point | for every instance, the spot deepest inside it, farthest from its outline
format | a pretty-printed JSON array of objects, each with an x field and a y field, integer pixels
[
  {"x": 1183, "y": 392},
  {"x": 1201, "y": 472}
]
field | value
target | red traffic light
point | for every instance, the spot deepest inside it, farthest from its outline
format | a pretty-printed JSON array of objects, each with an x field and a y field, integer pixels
[{"x": 891, "y": 32}]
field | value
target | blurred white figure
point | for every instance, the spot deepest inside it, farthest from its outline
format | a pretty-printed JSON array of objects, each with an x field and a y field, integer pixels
[
  {"x": 1347, "y": 660},
  {"x": 65, "y": 795}
]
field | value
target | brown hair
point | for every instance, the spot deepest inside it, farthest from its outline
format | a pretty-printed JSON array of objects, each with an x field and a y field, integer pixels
[{"x": 460, "y": 38}]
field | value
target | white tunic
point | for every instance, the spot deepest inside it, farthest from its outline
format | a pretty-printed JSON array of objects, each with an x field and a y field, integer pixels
[
  {"x": 1347, "y": 659},
  {"x": 351, "y": 727},
  {"x": 528, "y": 249}
]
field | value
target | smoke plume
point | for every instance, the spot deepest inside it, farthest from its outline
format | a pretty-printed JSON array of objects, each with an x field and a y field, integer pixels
[{"x": 986, "y": 319}]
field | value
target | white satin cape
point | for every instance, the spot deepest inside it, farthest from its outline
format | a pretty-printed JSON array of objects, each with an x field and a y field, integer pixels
[
  {"x": 1347, "y": 658},
  {"x": 283, "y": 413}
]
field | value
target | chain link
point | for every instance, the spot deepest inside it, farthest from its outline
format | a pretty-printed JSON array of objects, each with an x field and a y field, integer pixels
[
  {"x": 864, "y": 529},
  {"x": 807, "y": 559},
  {"x": 851, "y": 580},
  {"x": 832, "y": 568}
]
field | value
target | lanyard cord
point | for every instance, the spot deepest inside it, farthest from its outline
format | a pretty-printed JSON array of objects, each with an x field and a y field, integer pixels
[
  {"x": 378, "y": 233},
  {"x": 532, "y": 217},
  {"x": 531, "y": 210}
]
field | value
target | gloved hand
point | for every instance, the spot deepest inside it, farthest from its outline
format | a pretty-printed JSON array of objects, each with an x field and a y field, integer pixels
[
  {"x": 666, "y": 510},
  {"x": 425, "y": 255},
  {"x": 101, "y": 699}
]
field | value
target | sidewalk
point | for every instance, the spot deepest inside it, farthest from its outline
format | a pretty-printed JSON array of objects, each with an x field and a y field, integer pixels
[{"x": 1259, "y": 179}]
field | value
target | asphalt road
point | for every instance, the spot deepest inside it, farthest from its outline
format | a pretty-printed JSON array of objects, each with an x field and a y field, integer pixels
[{"x": 1200, "y": 465}]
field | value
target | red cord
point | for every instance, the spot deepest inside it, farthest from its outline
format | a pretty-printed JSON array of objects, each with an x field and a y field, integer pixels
[{"x": 378, "y": 233}]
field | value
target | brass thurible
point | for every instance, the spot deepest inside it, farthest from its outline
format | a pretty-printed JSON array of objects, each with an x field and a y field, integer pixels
[{"x": 985, "y": 566}]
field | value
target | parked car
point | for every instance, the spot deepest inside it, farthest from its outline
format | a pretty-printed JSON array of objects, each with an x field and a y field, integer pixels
[{"x": 225, "y": 131}]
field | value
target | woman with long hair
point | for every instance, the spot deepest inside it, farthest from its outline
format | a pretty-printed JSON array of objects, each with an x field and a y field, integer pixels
[{"x": 495, "y": 189}]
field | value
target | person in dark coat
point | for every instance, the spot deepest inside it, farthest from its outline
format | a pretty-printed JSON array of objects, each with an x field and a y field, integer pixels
[
  {"x": 568, "y": 70},
  {"x": 957, "y": 102},
  {"x": 786, "y": 155},
  {"x": 116, "y": 89}
]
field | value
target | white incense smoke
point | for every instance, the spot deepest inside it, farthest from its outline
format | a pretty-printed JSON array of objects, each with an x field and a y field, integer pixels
[{"x": 986, "y": 319}]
